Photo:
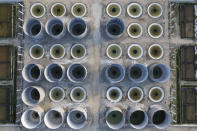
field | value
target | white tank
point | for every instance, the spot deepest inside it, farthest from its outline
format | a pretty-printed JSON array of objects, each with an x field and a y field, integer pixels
[
  {"x": 114, "y": 9},
  {"x": 54, "y": 72},
  {"x": 115, "y": 118},
  {"x": 114, "y": 94},
  {"x": 38, "y": 10},
  {"x": 57, "y": 94},
  {"x": 54, "y": 118},
  {"x": 77, "y": 118},
  {"x": 159, "y": 117},
  {"x": 32, "y": 72},
  {"x": 114, "y": 51},
  {"x": 55, "y": 28},
  {"x": 79, "y": 10},
  {"x": 156, "y": 51},
  {"x": 135, "y": 94},
  {"x": 156, "y": 94},
  {"x": 155, "y": 10},
  {"x": 37, "y": 52},
  {"x": 57, "y": 51},
  {"x": 58, "y": 10},
  {"x": 32, "y": 118},
  {"x": 138, "y": 118},
  {"x": 135, "y": 51},
  {"x": 78, "y": 51},
  {"x": 155, "y": 30},
  {"x": 78, "y": 94},
  {"x": 33, "y": 95},
  {"x": 134, "y": 10},
  {"x": 135, "y": 30}
]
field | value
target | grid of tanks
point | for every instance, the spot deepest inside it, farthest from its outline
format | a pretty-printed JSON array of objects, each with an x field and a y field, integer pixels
[{"x": 60, "y": 68}]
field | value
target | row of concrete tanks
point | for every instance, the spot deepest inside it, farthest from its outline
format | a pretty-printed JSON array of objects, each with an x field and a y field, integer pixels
[
  {"x": 34, "y": 95},
  {"x": 55, "y": 28},
  {"x": 137, "y": 73},
  {"x": 135, "y": 94},
  {"x": 78, "y": 28},
  {"x": 113, "y": 51},
  {"x": 134, "y": 10},
  {"x": 135, "y": 51},
  {"x": 38, "y": 10},
  {"x": 54, "y": 118},
  {"x": 57, "y": 51},
  {"x": 137, "y": 117},
  {"x": 114, "y": 73},
  {"x": 54, "y": 72},
  {"x": 115, "y": 118}
]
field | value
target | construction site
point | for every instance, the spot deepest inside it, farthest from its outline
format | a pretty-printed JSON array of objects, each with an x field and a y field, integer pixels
[{"x": 97, "y": 65}]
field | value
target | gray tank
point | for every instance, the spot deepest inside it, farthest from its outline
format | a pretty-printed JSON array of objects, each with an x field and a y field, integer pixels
[
  {"x": 114, "y": 28},
  {"x": 159, "y": 73},
  {"x": 55, "y": 28},
  {"x": 77, "y": 28}
]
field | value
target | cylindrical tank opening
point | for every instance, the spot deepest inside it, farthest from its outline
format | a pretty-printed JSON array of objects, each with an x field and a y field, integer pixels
[
  {"x": 134, "y": 10},
  {"x": 114, "y": 28},
  {"x": 37, "y": 51},
  {"x": 159, "y": 73},
  {"x": 37, "y": 10},
  {"x": 156, "y": 94},
  {"x": 58, "y": 10},
  {"x": 115, "y": 73},
  {"x": 114, "y": 94},
  {"x": 78, "y": 94},
  {"x": 79, "y": 10},
  {"x": 77, "y": 118},
  {"x": 77, "y": 28},
  {"x": 155, "y": 10},
  {"x": 138, "y": 73},
  {"x": 54, "y": 72},
  {"x": 155, "y": 30},
  {"x": 78, "y": 51},
  {"x": 161, "y": 119},
  {"x": 54, "y": 118},
  {"x": 135, "y": 94},
  {"x": 32, "y": 72},
  {"x": 155, "y": 51},
  {"x": 32, "y": 118},
  {"x": 57, "y": 94},
  {"x": 115, "y": 118},
  {"x": 33, "y": 28},
  {"x": 33, "y": 95},
  {"x": 114, "y": 51},
  {"x": 57, "y": 51},
  {"x": 76, "y": 73},
  {"x": 135, "y": 51},
  {"x": 134, "y": 30},
  {"x": 113, "y": 9},
  {"x": 55, "y": 28},
  {"x": 138, "y": 119}
]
